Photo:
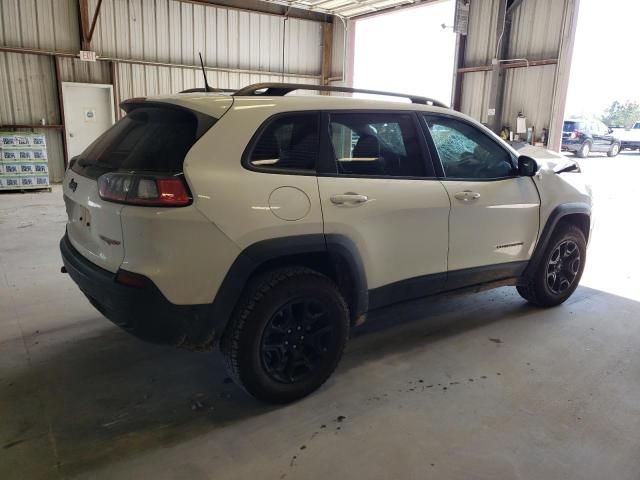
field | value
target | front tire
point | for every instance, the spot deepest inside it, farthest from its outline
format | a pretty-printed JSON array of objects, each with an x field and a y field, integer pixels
[
  {"x": 559, "y": 272},
  {"x": 584, "y": 151},
  {"x": 287, "y": 334},
  {"x": 614, "y": 150}
]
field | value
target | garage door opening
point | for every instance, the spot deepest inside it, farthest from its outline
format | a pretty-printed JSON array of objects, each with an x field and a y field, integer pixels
[
  {"x": 603, "y": 69},
  {"x": 408, "y": 51}
]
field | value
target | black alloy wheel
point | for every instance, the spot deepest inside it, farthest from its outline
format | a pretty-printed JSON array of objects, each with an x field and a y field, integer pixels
[
  {"x": 296, "y": 340},
  {"x": 563, "y": 267}
]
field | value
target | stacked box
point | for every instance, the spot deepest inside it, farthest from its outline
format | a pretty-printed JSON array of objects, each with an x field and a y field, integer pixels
[{"x": 23, "y": 161}]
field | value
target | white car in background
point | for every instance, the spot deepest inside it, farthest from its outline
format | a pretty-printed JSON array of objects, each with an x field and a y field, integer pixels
[
  {"x": 629, "y": 137},
  {"x": 269, "y": 225}
]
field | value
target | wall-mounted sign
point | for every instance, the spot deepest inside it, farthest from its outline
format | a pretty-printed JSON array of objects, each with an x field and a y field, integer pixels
[
  {"x": 461, "y": 19},
  {"x": 87, "y": 56},
  {"x": 89, "y": 114}
]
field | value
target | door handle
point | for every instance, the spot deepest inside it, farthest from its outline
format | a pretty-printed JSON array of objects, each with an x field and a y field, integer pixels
[
  {"x": 467, "y": 196},
  {"x": 349, "y": 199}
]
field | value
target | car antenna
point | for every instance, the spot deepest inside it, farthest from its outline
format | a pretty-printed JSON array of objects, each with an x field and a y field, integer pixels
[{"x": 207, "y": 88}]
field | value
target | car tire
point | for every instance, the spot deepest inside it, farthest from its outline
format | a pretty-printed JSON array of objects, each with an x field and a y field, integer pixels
[
  {"x": 584, "y": 150},
  {"x": 614, "y": 150},
  {"x": 558, "y": 274},
  {"x": 265, "y": 347}
]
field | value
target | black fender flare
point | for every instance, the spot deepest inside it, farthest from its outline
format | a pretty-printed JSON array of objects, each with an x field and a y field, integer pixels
[
  {"x": 339, "y": 249},
  {"x": 556, "y": 215}
]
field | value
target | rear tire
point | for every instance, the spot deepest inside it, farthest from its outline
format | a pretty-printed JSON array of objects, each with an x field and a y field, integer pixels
[
  {"x": 287, "y": 334},
  {"x": 559, "y": 272},
  {"x": 585, "y": 149},
  {"x": 614, "y": 150}
]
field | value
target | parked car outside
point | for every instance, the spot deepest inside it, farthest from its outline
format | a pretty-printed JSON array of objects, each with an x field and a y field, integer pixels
[
  {"x": 629, "y": 137},
  {"x": 583, "y": 136}
]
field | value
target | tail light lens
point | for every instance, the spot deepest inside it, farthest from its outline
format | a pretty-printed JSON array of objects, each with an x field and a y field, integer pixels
[
  {"x": 576, "y": 134},
  {"x": 131, "y": 279},
  {"x": 146, "y": 190}
]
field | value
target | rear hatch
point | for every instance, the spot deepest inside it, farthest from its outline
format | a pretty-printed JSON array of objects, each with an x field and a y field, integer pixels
[
  {"x": 149, "y": 143},
  {"x": 570, "y": 128}
]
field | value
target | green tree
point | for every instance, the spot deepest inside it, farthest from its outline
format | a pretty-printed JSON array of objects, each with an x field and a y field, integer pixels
[{"x": 619, "y": 113}]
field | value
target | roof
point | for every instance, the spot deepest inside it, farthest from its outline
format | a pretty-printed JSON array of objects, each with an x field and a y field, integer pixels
[{"x": 216, "y": 103}]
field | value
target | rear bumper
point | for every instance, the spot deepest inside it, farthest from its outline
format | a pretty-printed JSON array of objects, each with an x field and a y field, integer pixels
[
  {"x": 570, "y": 146},
  {"x": 143, "y": 312}
]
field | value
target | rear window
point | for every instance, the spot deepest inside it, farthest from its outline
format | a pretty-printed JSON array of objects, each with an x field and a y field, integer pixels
[
  {"x": 570, "y": 126},
  {"x": 148, "y": 138}
]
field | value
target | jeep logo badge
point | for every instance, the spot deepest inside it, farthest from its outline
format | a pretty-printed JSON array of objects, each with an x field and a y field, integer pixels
[{"x": 73, "y": 185}]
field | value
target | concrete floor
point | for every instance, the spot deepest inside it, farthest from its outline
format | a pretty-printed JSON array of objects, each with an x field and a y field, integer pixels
[{"x": 474, "y": 387}]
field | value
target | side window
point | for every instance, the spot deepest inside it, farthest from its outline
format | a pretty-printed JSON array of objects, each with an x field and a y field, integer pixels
[
  {"x": 466, "y": 152},
  {"x": 376, "y": 144},
  {"x": 289, "y": 142}
]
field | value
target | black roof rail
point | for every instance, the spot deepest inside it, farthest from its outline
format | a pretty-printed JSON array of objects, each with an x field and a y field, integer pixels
[
  {"x": 281, "y": 89},
  {"x": 210, "y": 89}
]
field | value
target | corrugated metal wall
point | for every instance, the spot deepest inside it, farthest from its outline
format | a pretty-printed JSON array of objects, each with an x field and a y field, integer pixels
[
  {"x": 242, "y": 47},
  {"x": 170, "y": 31},
  {"x": 28, "y": 94},
  {"x": 43, "y": 24},
  {"x": 536, "y": 33}
]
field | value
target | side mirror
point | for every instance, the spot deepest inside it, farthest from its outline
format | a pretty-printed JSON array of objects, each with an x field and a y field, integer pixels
[
  {"x": 527, "y": 166},
  {"x": 610, "y": 130}
]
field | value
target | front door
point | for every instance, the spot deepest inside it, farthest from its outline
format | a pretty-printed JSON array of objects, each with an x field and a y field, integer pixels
[
  {"x": 88, "y": 112},
  {"x": 380, "y": 194},
  {"x": 494, "y": 213},
  {"x": 602, "y": 140}
]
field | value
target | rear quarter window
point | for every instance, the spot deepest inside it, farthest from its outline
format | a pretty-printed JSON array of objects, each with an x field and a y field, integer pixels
[{"x": 286, "y": 143}]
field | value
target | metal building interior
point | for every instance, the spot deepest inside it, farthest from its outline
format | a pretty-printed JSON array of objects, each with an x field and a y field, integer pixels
[{"x": 470, "y": 387}]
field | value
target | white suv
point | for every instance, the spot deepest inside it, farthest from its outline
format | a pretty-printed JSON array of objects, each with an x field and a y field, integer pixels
[{"x": 270, "y": 225}]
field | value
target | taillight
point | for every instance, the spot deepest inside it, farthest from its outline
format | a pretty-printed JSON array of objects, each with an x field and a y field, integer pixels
[
  {"x": 576, "y": 134},
  {"x": 147, "y": 190},
  {"x": 131, "y": 279}
]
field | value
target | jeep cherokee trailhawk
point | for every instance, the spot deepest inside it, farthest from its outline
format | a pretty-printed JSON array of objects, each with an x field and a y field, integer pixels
[{"x": 269, "y": 225}]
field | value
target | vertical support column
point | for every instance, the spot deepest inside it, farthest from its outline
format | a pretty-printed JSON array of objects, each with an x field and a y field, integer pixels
[
  {"x": 350, "y": 52},
  {"x": 563, "y": 70},
  {"x": 83, "y": 15},
  {"x": 113, "y": 69},
  {"x": 327, "y": 47},
  {"x": 65, "y": 151},
  {"x": 496, "y": 92},
  {"x": 458, "y": 78}
]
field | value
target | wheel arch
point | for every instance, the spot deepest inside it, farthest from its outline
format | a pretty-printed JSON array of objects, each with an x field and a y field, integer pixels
[
  {"x": 575, "y": 213},
  {"x": 335, "y": 256}
]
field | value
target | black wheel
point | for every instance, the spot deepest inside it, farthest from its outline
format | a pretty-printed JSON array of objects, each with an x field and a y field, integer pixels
[
  {"x": 614, "y": 150},
  {"x": 287, "y": 334},
  {"x": 585, "y": 149},
  {"x": 558, "y": 274}
]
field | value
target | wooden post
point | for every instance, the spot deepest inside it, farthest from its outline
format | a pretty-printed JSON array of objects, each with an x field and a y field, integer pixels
[
  {"x": 83, "y": 14},
  {"x": 113, "y": 69},
  {"x": 327, "y": 52},
  {"x": 65, "y": 152}
]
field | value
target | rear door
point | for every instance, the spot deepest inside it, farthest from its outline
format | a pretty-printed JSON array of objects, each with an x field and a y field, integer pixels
[
  {"x": 378, "y": 190},
  {"x": 494, "y": 218}
]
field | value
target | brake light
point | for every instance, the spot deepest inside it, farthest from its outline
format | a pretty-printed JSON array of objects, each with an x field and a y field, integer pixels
[
  {"x": 576, "y": 134},
  {"x": 145, "y": 190}
]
